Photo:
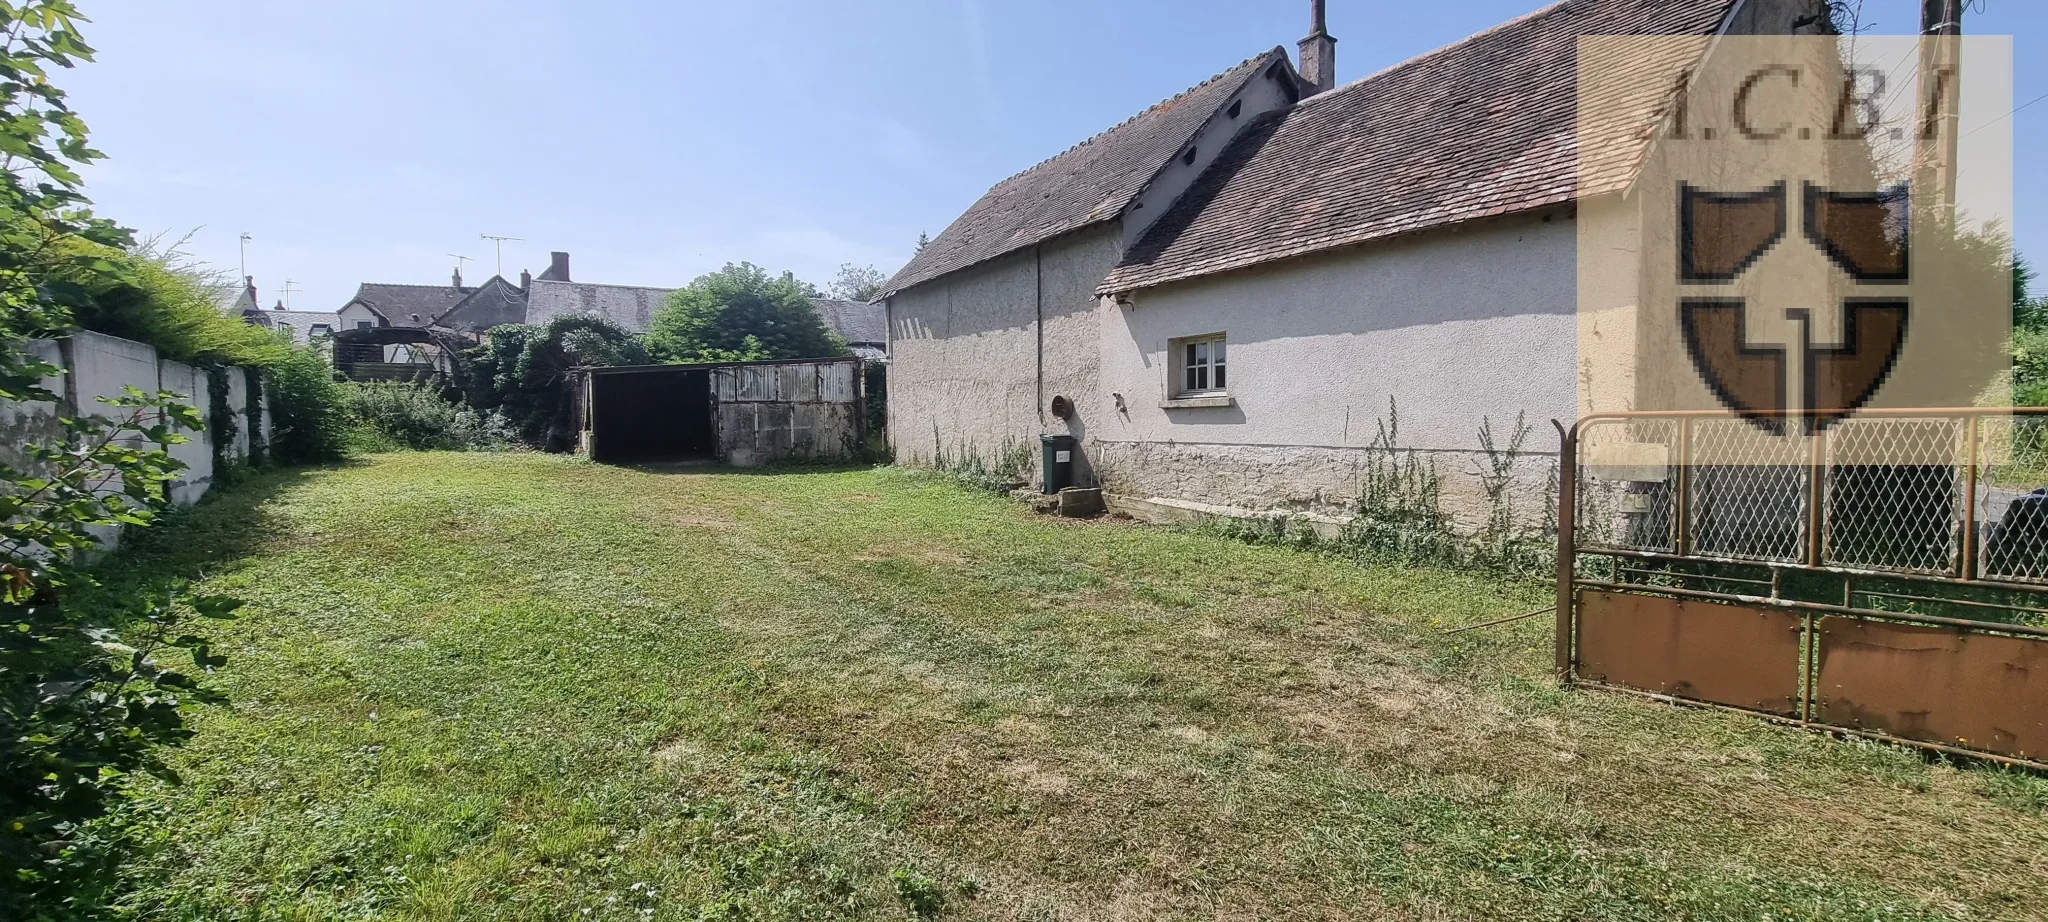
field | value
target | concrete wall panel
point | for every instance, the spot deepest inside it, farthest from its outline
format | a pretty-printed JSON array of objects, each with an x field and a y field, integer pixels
[{"x": 197, "y": 452}]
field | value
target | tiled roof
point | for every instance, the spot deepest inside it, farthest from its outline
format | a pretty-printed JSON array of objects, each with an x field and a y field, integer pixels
[
  {"x": 628, "y": 306},
  {"x": 399, "y": 304},
  {"x": 854, "y": 321},
  {"x": 494, "y": 302},
  {"x": 1089, "y": 183},
  {"x": 1478, "y": 128}
]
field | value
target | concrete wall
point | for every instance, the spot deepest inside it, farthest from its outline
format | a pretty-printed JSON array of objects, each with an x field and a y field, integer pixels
[
  {"x": 21, "y": 423},
  {"x": 786, "y": 411},
  {"x": 1456, "y": 326},
  {"x": 965, "y": 376},
  {"x": 98, "y": 366}
]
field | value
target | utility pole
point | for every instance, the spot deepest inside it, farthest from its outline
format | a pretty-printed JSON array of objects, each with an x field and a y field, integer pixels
[
  {"x": 288, "y": 289},
  {"x": 500, "y": 243},
  {"x": 1941, "y": 29}
]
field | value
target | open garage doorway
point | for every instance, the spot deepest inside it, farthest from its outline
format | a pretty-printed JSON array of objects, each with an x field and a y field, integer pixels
[{"x": 653, "y": 414}]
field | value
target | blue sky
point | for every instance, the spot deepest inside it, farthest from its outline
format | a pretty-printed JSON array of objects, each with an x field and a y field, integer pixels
[{"x": 655, "y": 141}]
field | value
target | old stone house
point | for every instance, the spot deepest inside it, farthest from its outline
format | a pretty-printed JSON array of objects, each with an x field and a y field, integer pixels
[{"x": 1230, "y": 287}]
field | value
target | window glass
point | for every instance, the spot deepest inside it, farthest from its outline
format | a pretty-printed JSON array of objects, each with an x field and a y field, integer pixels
[{"x": 1201, "y": 361}]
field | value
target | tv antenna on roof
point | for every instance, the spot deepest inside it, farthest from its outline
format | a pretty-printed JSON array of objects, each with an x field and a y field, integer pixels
[
  {"x": 288, "y": 289},
  {"x": 500, "y": 243}
]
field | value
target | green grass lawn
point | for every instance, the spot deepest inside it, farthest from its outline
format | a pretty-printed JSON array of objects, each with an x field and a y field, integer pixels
[{"x": 522, "y": 687}]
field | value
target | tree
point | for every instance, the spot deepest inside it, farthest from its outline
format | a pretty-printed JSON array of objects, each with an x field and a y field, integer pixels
[
  {"x": 740, "y": 313},
  {"x": 856, "y": 283}
]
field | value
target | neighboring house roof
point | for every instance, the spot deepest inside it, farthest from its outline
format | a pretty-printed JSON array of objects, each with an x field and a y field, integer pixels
[
  {"x": 632, "y": 308},
  {"x": 491, "y": 304},
  {"x": 243, "y": 301},
  {"x": 1481, "y": 127},
  {"x": 628, "y": 306},
  {"x": 857, "y": 322},
  {"x": 409, "y": 305},
  {"x": 1089, "y": 183},
  {"x": 301, "y": 322}
]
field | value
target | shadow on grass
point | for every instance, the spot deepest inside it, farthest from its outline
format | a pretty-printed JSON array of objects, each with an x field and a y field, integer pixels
[{"x": 189, "y": 543}]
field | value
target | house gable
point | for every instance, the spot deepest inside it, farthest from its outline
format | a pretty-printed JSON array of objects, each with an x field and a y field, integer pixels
[
  {"x": 1095, "y": 181},
  {"x": 494, "y": 303},
  {"x": 356, "y": 312}
]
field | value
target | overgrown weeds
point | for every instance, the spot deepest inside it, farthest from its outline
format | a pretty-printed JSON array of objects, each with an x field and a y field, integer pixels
[
  {"x": 392, "y": 416},
  {"x": 1005, "y": 470},
  {"x": 1399, "y": 516}
]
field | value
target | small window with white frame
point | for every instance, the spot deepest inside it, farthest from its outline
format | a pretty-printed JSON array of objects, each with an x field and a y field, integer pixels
[{"x": 1199, "y": 367}]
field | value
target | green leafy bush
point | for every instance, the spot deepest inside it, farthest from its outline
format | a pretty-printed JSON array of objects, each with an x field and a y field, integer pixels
[
  {"x": 308, "y": 410},
  {"x": 740, "y": 314},
  {"x": 390, "y": 416},
  {"x": 524, "y": 370},
  {"x": 160, "y": 295}
]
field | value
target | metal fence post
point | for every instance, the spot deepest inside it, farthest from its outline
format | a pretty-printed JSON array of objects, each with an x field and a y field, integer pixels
[
  {"x": 1967, "y": 568},
  {"x": 1681, "y": 501},
  {"x": 1567, "y": 540},
  {"x": 1816, "y": 491}
]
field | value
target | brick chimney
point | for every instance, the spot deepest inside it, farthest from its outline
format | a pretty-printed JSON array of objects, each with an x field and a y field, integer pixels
[
  {"x": 558, "y": 267},
  {"x": 458, "y": 276},
  {"x": 1318, "y": 54},
  {"x": 525, "y": 280}
]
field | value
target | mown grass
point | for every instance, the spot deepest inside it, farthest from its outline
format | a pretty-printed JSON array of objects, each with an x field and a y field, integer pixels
[{"x": 520, "y": 687}]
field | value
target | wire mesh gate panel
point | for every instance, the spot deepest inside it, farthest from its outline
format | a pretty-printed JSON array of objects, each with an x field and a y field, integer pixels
[{"x": 1888, "y": 577}]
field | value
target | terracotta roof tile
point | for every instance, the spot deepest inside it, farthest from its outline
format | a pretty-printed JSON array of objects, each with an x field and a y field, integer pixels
[{"x": 1478, "y": 128}]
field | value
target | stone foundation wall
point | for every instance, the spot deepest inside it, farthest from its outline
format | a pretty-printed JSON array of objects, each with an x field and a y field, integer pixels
[{"x": 1324, "y": 481}]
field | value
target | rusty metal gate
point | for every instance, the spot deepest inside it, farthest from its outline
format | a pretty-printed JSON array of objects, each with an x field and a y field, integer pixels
[{"x": 1887, "y": 578}]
